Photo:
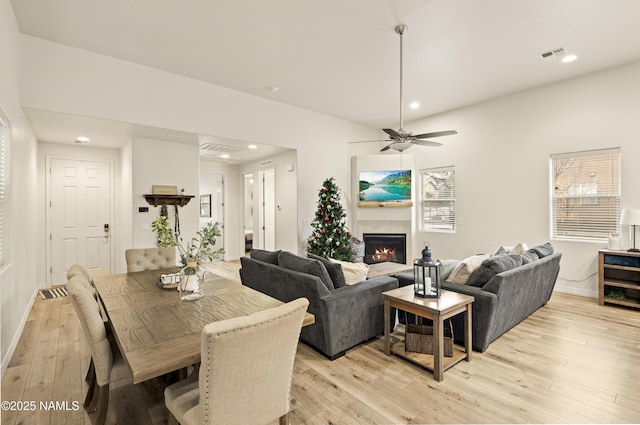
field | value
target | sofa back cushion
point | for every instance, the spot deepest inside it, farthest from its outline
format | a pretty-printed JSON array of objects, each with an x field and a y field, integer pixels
[
  {"x": 270, "y": 257},
  {"x": 492, "y": 266},
  {"x": 543, "y": 250},
  {"x": 305, "y": 265},
  {"x": 334, "y": 269}
]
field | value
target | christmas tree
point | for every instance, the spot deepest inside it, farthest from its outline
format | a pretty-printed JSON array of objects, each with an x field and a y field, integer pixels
[{"x": 330, "y": 237}]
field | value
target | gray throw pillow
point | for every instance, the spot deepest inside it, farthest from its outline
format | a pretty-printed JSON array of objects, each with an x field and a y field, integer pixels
[
  {"x": 305, "y": 265},
  {"x": 543, "y": 250},
  {"x": 492, "y": 266},
  {"x": 446, "y": 267},
  {"x": 270, "y": 257},
  {"x": 334, "y": 269},
  {"x": 529, "y": 256}
]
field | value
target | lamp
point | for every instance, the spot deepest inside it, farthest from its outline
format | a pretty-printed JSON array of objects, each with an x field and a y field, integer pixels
[
  {"x": 631, "y": 217},
  {"x": 426, "y": 275}
]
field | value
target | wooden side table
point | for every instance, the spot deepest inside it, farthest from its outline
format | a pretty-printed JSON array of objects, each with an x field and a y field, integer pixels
[{"x": 438, "y": 310}]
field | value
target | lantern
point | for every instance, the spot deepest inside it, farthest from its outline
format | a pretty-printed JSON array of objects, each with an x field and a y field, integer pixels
[{"x": 426, "y": 278}]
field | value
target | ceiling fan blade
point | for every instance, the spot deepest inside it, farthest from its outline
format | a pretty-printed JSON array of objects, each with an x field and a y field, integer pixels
[
  {"x": 386, "y": 148},
  {"x": 426, "y": 143},
  {"x": 392, "y": 133},
  {"x": 371, "y": 141},
  {"x": 436, "y": 134}
]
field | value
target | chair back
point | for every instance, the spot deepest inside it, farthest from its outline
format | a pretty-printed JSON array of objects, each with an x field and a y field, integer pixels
[
  {"x": 247, "y": 366},
  {"x": 77, "y": 269},
  {"x": 140, "y": 259},
  {"x": 94, "y": 330}
]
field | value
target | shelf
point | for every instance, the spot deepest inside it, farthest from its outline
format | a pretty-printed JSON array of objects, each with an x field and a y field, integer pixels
[
  {"x": 619, "y": 270},
  {"x": 180, "y": 200},
  {"x": 629, "y": 302},
  {"x": 622, "y": 284}
]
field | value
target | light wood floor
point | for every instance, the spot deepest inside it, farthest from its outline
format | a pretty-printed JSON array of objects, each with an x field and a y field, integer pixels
[{"x": 570, "y": 362}]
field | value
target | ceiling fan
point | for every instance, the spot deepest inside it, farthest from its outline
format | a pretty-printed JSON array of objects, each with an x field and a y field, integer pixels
[{"x": 401, "y": 139}]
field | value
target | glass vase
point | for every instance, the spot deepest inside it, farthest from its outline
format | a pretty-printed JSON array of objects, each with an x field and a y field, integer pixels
[{"x": 191, "y": 282}]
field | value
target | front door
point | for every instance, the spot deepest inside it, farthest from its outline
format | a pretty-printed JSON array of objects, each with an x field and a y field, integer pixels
[{"x": 79, "y": 216}]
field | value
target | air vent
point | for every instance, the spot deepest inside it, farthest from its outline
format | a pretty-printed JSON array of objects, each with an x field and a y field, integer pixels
[
  {"x": 219, "y": 148},
  {"x": 560, "y": 51}
]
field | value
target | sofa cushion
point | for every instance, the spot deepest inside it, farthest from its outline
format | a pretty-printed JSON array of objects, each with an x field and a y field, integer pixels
[
  {"x": 461, "y": 272},
  {"x": 519, "y": 248},
  {"x": 446, "y": 267},
  {"x": 492, "y": 266},
  {"x": 270, "y": 257},
  {"x": 543, "y": 250},
  {"x": 529, "y": 256},
  {"x": 353, "y": 272},
  {"x": 310, "y": 266},
  {"x": 334, "y": 269}
]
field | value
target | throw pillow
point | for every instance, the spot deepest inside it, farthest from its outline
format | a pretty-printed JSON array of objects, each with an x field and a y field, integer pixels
[
  {"x": 463, "y": 270},
  {"x": 270, "y": 257},
  {"x": 492, "y": 266},
  {"x": 334, "y": 269},
  {"x": 529, "y": 256},
  {"x": 502, "y": 250},
  {"x": 446, "y": 267},
  {"x": 305, "y": 265},
  {"x": 353, "y": 272},
  {"x": 543, "y": 250},
  {"x": 519, "y": 249}
]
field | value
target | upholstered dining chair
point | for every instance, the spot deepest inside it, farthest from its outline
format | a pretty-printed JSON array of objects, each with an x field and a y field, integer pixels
[
  {"x": 105, "y": 366},
  {"x": 141, "y": 259},
  {"x": 79, "y": 273},
  {"x": 245, "y": 372}
]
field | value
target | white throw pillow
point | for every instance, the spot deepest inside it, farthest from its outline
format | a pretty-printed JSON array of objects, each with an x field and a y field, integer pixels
[
  {"x": 519, "y": 249},
  {"x": 353, "y": 272},
  {"x": 463, "y": 270}
]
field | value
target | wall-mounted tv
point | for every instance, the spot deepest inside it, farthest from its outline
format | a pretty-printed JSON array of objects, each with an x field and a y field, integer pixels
[{"x": 389, "y": 188}]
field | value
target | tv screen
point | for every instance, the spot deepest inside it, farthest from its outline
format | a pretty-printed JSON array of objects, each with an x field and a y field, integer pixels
[{"x": 385, "y": 186}]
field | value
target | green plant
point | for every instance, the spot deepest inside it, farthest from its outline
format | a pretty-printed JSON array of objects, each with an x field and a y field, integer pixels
[
  {"x": 199, "y": 248},
  {"x": 617, "y": 293}
]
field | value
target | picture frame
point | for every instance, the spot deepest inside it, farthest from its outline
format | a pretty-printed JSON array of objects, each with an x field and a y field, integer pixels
[
  {"x": 205, "y": 205},
  {"x": 384, "y": 188}
]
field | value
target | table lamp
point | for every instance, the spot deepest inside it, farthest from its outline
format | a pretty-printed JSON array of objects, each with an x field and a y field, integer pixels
[{"x": 631, "y": 217}]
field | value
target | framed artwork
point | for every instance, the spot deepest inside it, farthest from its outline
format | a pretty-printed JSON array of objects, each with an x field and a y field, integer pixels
[
  {"x": 388, "y": 188},
  {"x": 205, "y": 205}
]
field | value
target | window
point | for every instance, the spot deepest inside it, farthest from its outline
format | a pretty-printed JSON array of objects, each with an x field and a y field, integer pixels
[
  {"x": 438, "y": 199},
  {"x": 5, "y": 134},
  {"x": 585, "y": 194}
]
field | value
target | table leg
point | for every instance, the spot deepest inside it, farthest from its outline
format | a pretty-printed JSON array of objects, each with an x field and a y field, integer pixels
[
  {"x": 468, "y": 333},
  {"x": 387, "y": 324},
  {"x": 438, "y": 332}
]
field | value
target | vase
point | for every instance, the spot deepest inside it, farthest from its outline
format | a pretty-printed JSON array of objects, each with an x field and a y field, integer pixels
[{"x": 191, "y": 282}]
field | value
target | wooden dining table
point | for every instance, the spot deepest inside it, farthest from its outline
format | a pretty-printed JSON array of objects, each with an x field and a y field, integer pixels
[{"x": 156, "y": 332}]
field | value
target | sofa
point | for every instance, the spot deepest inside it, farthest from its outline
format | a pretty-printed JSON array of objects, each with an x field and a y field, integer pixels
[
  {"x": 507, "y": 287},
  {"x": 345, "y": 314}
]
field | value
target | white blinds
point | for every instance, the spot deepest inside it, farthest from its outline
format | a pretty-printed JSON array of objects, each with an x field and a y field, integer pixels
[
  {"x": 438, "y": 199},
  {"x": 585, "y": 194},
  {"x": 5, "y": 133}
]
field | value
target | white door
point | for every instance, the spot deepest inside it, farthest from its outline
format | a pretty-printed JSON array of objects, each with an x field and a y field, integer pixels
[
  {"x": 80, "y": 216},
  {"x": 268, "y": 209}
]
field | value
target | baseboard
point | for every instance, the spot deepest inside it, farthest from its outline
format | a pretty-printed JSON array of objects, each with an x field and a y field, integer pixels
[
  {"x": 16, "y": 338},
  {"x": 587, "y": 293}
]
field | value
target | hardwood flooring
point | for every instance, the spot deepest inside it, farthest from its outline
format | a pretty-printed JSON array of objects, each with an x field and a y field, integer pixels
[{"x": 572, "y": 361}]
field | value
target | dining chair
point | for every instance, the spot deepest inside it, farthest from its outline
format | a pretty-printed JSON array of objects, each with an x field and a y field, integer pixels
[
  {"x": 245, "y": 372},
  {"x": 76, "y": 274},
  {"x": 107, "y": 363},
  {"x": 140, "y": 259}
]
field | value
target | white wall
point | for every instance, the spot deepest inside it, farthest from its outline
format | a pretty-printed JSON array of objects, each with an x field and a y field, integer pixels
[
  {"x": 501, "y": 157},
  {"x": 18, "y": 279}
]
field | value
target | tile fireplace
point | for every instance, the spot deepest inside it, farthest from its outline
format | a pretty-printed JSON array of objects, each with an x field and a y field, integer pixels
[{"x": 382, "y": 247}]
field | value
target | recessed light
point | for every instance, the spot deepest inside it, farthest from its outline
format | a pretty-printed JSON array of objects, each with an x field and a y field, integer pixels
[
  {"x": 224, "y": 155},
  {"x": 82, "y": 139},
  {"x": 569, "y": 58},
  {"x": 252, "y": 147},
  {"x": 414, "y": 105}
]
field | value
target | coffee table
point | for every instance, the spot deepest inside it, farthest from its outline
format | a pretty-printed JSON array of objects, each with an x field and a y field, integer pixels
[{"x": 438, "y": 310}]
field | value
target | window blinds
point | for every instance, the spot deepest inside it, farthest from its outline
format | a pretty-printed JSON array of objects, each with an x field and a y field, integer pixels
[
  {"x": 438, "y": 199},
  {"x": 585, "y": 194}
]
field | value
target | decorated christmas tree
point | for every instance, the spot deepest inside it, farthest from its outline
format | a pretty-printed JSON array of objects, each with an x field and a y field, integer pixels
[{"x": 330, "y": 237}]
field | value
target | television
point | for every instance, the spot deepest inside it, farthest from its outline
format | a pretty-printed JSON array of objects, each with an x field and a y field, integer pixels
[{"x": 384, "y": 188}]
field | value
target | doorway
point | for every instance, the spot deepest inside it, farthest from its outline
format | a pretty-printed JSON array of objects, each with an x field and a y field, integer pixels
[
  {"x": 247, "y": 224},
  {"x": 79, "y": 216},
  {"x": 267, "y": 213},
  {"x": 212, "y": 203}
]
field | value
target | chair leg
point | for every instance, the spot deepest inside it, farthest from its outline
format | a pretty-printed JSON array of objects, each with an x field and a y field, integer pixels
[
  {"x": 103, "y": 403},
  {"x": 171, "y": 420},
  {"x": 284, "y": 419},
  {"x": 91, "y": 391}
]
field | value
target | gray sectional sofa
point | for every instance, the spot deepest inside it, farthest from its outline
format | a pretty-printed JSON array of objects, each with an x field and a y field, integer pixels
[
  {"x": 345, "y": 315},
  {"x": 507, "y": 288}
]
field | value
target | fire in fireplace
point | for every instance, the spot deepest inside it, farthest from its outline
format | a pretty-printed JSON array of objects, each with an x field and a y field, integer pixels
[{"x": 382, "y": 247}]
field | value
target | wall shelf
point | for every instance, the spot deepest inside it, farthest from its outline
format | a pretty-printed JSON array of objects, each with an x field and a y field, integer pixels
[
  {"x": 619, "y": 271},
  {"x": 180, "y": 200}
]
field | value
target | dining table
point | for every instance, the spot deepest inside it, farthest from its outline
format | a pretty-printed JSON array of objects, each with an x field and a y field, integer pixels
[{"x": 156, "y": 332}]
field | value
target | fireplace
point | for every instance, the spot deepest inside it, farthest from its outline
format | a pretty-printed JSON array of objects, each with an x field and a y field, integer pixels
[{"x": 383, "y": 247}]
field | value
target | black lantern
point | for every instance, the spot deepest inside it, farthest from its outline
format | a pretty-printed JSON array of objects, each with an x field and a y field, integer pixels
[{"x": 426, "y": 275}]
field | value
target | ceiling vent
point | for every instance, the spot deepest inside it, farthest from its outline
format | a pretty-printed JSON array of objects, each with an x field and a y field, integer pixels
[
  {"x": 219, "y": 148},
  {"x": 560, "y": 51}
]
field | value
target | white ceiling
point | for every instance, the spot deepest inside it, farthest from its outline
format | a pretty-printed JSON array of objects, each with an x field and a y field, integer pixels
[{"x": 341, "y": 58}]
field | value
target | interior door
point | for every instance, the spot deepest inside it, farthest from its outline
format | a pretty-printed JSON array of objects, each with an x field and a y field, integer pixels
[
  {"x": 268, "y": 209},
  {"x": 80, "y": 216}
]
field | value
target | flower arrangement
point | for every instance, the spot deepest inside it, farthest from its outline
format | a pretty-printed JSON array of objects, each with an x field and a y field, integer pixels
[{"x": 199, "y": 248}]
